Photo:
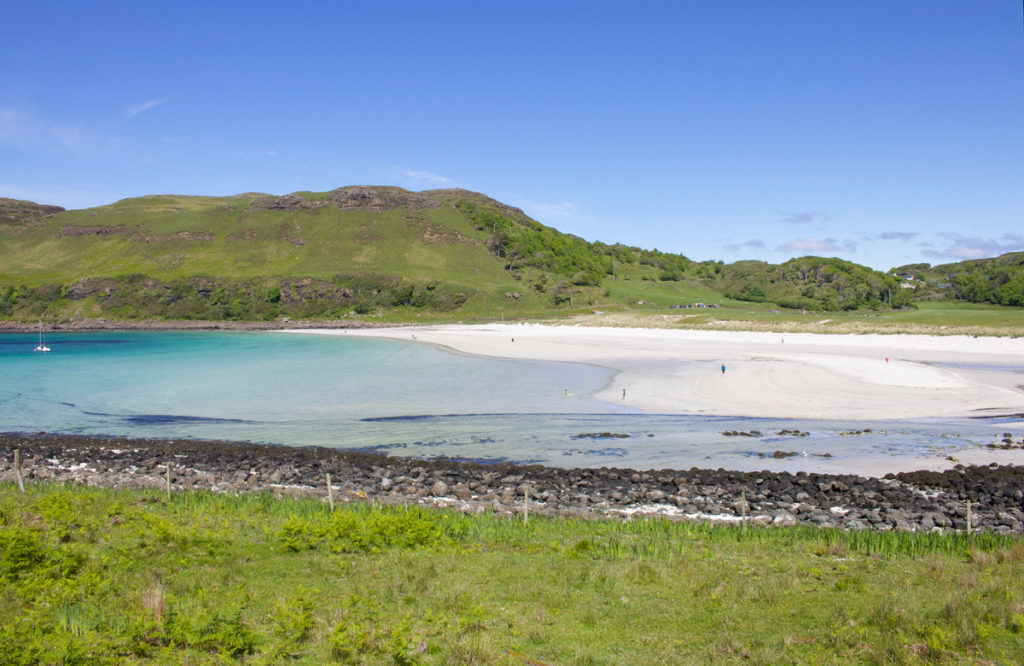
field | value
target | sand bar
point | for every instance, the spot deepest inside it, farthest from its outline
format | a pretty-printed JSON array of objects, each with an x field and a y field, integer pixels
[{"x": 799, "y": 375}]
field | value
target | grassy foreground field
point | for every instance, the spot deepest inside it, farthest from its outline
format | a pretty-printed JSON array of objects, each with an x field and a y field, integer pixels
[{"x": 99, "y": 576}]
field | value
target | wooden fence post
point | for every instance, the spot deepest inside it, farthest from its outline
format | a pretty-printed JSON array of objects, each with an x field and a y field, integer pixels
[
  {"x": 168, "y": 466},
  {"x": 526, "y": 505},
  {"x": 968, "y": 517},
  {"x": 17, "y": 470},
  {"x": 330, "y": 493},
  {"x": 743, "y": 510}
]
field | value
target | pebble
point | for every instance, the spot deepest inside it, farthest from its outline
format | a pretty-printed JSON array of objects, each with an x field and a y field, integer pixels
[{"x": 915, "y": 501}]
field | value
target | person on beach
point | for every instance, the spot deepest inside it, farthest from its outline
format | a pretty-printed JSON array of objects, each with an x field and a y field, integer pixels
[
  {"x": 723, "y": 368},
  {"x": 623, "y": 394}
]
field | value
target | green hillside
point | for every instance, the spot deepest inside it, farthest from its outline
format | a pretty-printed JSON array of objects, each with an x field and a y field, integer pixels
[
  {"x": 998, "y": 280},
  {"x": 352, "y": 251},
  {"x": 812, "y": 283},
  {"x": 374, "y": 252},
  {"x": 14, "y": 212}
]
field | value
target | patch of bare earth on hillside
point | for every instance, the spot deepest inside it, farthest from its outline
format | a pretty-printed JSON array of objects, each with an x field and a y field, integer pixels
[
  {"x": 433, "y": 233},
  {"x": 287, "y": 233},
  {"x": 365, "y": 234},
  {"x": 138, "y": 233},
  {"x": 72, "y": 231}
]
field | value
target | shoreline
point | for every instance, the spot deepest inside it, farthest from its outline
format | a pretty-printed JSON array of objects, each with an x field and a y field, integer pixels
[
  {"x": 758, "y": 374},
  {"x": 859, "y": 378},
  {"x": 914, "y": 501}
]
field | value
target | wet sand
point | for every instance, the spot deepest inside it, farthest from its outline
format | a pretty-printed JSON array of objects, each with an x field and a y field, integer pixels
[
  {"x": 804, "y": 376},
  {"x": 853, "y": 378}
]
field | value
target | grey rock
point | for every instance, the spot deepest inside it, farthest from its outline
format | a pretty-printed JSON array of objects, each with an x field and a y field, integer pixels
[
  {"x": 902, "y": 525},
  {"x": 783, "y": 518}
]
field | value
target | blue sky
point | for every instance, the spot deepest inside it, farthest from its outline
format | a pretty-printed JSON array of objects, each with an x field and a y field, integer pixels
[{"x": 877, "y": 131}]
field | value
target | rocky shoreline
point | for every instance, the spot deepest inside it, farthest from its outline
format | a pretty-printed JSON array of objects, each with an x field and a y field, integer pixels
[{"x": 915, "y": 501}]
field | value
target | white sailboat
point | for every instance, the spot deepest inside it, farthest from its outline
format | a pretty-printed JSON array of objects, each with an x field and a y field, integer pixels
[{"x": 41, "y": 347}]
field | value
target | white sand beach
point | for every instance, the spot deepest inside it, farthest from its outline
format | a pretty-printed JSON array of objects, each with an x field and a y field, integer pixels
[
  {"x": 798, "y": 375},
  {"x": 844, "y": 378}
]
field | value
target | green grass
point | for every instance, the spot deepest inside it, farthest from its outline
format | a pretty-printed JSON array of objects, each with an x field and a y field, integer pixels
[
  {"x": 931, "y": 318},
  {"x": 245, "y": 243},
  {"x": 100, "y": 576}
]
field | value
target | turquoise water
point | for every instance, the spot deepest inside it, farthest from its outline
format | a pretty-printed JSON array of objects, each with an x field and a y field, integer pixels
[{"x": 401, "y": 398}]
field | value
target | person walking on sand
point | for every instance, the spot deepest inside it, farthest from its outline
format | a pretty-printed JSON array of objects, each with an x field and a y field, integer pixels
[{"x": 723, "y": 368}]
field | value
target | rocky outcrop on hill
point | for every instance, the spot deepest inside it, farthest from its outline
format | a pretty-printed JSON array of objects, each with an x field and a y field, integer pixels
[
  {"x": 285, "y": 203},
  {"x": 380, "y": 198},
  {"x": 15, "y": 211},
  {"x": 987, "y": 498},
  {"x": 347, "y": 198}
]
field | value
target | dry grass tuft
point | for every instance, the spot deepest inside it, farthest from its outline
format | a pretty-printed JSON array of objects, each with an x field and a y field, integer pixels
[{"x": 155, "y": 601}]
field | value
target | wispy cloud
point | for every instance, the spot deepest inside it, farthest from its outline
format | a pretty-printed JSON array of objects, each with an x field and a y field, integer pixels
[
  {"x": 804, "y": 217},
  {"x": 816, "y": 245},
  {"x": 546, "y": 211},
  {"x": 136, "y": 109},
  {"x": 752, "y": 244},
  {"x": 966, "y": 247},
  {"x": 26, "y": 131},
  {"x": 897, "y": 235},
  {"x": 425, "y": 177}
]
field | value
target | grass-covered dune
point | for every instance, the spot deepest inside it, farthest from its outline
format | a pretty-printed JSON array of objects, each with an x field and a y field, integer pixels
[{"x": 93, "y": 575}]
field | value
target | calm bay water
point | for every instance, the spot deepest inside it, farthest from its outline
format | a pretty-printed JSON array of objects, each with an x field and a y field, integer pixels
[{"x": 401, "y": 398}]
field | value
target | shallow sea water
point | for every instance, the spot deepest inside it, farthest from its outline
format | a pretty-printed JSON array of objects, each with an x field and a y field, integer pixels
[{"x": 409, "y": 399}]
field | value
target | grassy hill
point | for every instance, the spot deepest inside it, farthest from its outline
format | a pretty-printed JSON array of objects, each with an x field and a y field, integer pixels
[
  {"x": 812, "y": 283},
  {"x": 998, "y": 280},
  {"x": 380, "y": 252},
  {"x": 351, "y": 251},
  {"x": 15, "y": 212}
]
